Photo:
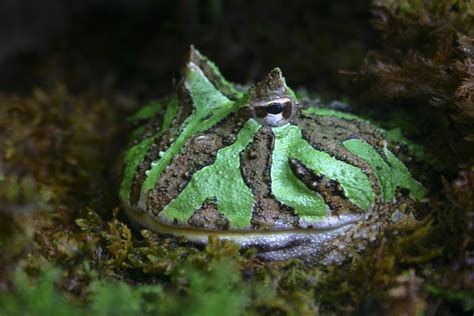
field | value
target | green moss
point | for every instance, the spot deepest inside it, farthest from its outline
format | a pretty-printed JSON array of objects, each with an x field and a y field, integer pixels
[
  {"x": 107, "y": 297},
  {"x": 207, "y": 292},
  {"x": 466, "y": 297},
  {"x": 66, "y": 144},
  {"x": 41, "y": 297}
]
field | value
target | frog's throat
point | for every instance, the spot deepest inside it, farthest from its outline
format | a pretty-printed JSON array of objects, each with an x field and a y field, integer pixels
[{"x": 321, "y": 232}]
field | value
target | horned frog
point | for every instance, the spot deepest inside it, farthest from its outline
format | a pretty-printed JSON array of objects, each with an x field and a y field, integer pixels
[{"x": 262, "y": 168}]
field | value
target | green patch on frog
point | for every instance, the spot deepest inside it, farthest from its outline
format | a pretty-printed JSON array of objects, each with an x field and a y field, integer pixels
[
  {"x": 394, "y": 130},
  {"x": 330, "y": 112},
  {"x": 147, "y": 111},
  {"x": 135, "y": 154},
  {"x": 289, "y": 190},
  {"x": 394, "y": 134},
  {"x": 221, "y": 180},
  {"x": 210, "y": 106},
  {"x": 392, "y": 174}
]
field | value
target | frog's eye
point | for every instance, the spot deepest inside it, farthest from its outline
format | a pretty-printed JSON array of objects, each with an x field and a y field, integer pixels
[{"x": 275, "y": 112}]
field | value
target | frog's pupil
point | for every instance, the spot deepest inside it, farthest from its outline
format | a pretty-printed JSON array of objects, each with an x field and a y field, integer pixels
[{"x": 275, "y": 108}]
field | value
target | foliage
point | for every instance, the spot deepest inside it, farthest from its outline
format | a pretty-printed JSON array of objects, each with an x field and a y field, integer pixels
[
  {"x": 424, "y": 65},
  {"x": 41, "y": 297},
  {"x": 66, "y": 247},
  {"x": 90, "y": 243}
]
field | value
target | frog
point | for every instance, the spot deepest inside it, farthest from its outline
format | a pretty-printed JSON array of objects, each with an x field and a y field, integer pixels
[{"x": 264, "y": 168}]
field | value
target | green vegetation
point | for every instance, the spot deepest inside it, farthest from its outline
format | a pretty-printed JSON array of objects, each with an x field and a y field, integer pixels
[
  {"x": 207, "y": 293},
  {"x": 66, "y": 248}
]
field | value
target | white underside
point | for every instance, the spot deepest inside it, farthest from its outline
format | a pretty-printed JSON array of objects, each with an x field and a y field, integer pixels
[{"x": 308, "y": 241}]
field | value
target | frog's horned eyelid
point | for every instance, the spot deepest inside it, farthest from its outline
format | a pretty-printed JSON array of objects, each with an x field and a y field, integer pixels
[{"x": 194, "y": 56}]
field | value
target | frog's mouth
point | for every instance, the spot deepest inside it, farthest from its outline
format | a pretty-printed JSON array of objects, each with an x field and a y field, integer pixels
[{"x": 269, "y": 241}]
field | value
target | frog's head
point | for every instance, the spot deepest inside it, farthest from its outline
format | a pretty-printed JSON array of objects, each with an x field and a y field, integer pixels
[{"x": 271, "y": 100}]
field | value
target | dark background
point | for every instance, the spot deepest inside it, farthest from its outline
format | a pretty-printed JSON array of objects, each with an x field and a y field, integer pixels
[{"x": 136, "y": 46}]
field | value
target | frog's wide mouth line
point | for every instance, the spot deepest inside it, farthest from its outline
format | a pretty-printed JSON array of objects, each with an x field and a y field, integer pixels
[{"x": 319, "y": 234}]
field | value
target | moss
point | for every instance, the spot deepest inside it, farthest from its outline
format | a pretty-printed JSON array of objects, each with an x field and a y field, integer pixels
[
  {"x": 107, "y": 297},
  {"x": 466, "y": 297},
  {"x": 90, "y": 240},
  {"x": 58, "y": 204},
  {"x": 424, "y": 66}
]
